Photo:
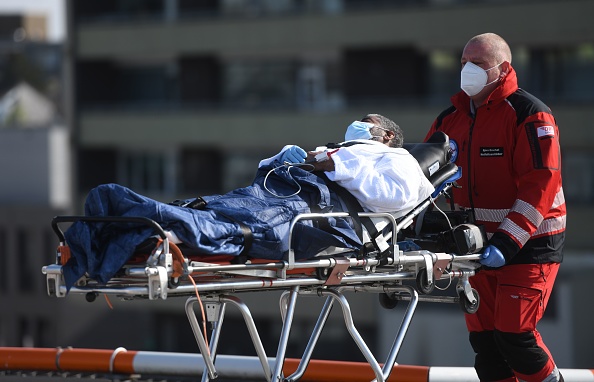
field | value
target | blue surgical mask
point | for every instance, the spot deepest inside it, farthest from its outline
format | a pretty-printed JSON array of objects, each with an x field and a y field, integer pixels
[{"x": 358, "y": 130}]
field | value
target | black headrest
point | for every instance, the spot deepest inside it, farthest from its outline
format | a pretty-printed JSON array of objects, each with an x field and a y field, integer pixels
[{"x": 432, "y": 154}]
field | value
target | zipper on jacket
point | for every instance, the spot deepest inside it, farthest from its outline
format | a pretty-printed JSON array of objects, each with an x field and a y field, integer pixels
[{"x": 470, "y": 173}]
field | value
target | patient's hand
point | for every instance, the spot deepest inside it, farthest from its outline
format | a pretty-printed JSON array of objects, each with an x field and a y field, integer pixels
[{"x": 325, "y": 165}]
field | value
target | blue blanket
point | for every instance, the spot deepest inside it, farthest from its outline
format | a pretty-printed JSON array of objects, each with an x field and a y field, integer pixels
[{"x": 101, "y": 249}]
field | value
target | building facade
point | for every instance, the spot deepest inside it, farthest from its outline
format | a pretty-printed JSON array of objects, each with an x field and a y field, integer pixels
[{"x": 177, "y": 98}]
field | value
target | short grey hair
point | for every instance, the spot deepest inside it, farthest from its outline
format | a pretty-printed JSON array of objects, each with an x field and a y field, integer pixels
[
  {"x": 495, "y": 45},
  {"x": 388, "y": 124}
]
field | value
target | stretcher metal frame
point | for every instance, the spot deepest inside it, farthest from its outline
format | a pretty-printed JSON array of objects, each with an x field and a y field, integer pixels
[{"x": 216, "y": 285}]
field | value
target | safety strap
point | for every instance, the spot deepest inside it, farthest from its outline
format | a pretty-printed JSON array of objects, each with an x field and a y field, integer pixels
[
  {"x": 344, "y": 144},
  {"x": 354, "y": 208},
  {"x": 200, "y": 204}
]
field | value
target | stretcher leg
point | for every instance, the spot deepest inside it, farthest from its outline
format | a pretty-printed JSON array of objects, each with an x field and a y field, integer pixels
[
  {"x": 288, "y": 315},
  {"x": 215, "y": 314},
  {"x": 251, "y": 326},
  {"x": 406, "y": 320},
  {"x": 312, "y": 341},
  {"x": 348, "y": 319},
  {"x": 381, "y": 375},
  {"x": 200, "y": 340}
]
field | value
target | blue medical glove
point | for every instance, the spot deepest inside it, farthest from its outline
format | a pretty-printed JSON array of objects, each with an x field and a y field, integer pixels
[
  {"x": 293, "y": 154},
  {"x": 492, "y": 257}
]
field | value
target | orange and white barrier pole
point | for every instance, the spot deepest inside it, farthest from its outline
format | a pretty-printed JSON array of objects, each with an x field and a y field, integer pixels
[{"x": 122, "y": 361}]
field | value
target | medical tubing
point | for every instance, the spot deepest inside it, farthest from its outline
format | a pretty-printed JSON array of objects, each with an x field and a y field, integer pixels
[
  {"x": 205, "y": 333},
  {"x": 450, "y": 277},
  {"x": 443, "y": 213},
  {"x": 288, "y": 166}
]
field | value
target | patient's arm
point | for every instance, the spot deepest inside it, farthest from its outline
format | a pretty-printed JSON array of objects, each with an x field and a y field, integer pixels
[{"x": 325, "y": 165}]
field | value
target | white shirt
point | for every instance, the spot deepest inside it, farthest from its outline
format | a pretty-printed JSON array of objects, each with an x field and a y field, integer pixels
[{"x": 381, "y": 178}]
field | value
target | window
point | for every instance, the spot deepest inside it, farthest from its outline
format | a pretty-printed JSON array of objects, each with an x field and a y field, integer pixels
[
  {"x": 147, "y": 171},
  {"x": 95, "y": 81},
  {"x": 444, "y": 75},
  {"x": 25, "y": 333},
  {"x": 143, "y": 84},
  {"x": 578, "y": 176},
  {"x": 201, "y": 171},
  {"x": 384, "y": 74},
  {"x": 50, "y": 246},
  {"x": 567, "y": 74},
  {"x": 260, "y": 84},
  {"x": 578, "y": 73},
  {"x": 199, "y": 79},
  {"x": 44, "y": 332},
  {"x": 133, "y": 83},
  {"x": 257, "y": 8},
  {"x": 96, "y": 166},
  {"x": 319, "y": 85},
  {"x": 311, "y": 87},
  {"x": 3, "y": 261},
  {"x": 117, "y": 9},
  {"x": 3, "y": 340},
  {"x": 27, "y": 274}
]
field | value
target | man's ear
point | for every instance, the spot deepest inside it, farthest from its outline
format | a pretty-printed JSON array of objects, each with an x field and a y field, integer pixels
[
  {"x": 388, "y": 136},
  {"x": 505, "y": 68}
]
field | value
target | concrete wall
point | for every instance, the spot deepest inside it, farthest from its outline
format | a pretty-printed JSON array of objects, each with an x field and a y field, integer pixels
[{"x": 35, "y": 167}]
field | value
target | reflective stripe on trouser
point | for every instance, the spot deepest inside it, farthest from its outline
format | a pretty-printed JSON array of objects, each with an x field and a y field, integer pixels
[{"x": 503, "y": 331}]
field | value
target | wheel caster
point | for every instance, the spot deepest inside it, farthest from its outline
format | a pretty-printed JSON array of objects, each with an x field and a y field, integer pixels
[
  {"x": 173, "y": 283},
  {"x": 387, "y": 302},
  {"x": 466, "y": 305},
  {"x": 423, "y": 284},
  {"x": 323, "y": 273},
  {"x": 91, "y": 296}
]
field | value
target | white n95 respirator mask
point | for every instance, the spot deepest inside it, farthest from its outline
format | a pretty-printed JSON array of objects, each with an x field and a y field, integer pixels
[{"x": 473, "y": 78}]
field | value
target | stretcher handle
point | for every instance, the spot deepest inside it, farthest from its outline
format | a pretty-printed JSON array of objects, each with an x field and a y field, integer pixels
[{"x": 113, "y": 219}]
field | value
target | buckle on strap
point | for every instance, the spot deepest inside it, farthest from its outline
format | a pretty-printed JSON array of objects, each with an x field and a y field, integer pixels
[{"x": 197, "y": 204}]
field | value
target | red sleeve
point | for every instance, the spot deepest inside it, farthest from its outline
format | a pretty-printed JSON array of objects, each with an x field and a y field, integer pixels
[{"x": 537, "y": 163}]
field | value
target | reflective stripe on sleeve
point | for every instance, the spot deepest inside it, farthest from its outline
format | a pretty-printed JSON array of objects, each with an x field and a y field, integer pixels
[
  {"x": 515, "y": 231},
  {"x": 528, "y": 211}
]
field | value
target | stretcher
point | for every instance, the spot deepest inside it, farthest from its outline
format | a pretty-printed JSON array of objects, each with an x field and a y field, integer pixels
[{"x": 403, "y": 265}]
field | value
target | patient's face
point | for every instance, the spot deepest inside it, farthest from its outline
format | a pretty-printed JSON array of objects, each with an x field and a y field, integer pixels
[{"x": 370, "y": 119}]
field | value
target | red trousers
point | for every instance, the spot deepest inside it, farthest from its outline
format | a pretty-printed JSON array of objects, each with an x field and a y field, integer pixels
[{"x": 503, "y": 331}]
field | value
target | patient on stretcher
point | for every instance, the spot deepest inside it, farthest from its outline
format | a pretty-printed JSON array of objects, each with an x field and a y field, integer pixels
[{"x": 254, "y": 220}]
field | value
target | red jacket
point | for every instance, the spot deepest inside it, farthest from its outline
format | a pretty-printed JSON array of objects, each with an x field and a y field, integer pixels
[{"x": 511, "y": 170}]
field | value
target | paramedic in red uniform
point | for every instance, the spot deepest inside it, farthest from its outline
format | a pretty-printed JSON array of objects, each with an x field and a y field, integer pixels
[{"x": 507, "y": 143}]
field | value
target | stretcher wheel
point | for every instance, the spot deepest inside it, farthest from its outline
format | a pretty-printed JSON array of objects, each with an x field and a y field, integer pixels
[
  {"x": 387, "y": 301},
  {"x": 466, "y": 305},
  {"x": 423, "y": 285},
  {"x": 323, "y": 273},
  {"x": 91, "y": 296},
  {"x": 173, "y": 282}
]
